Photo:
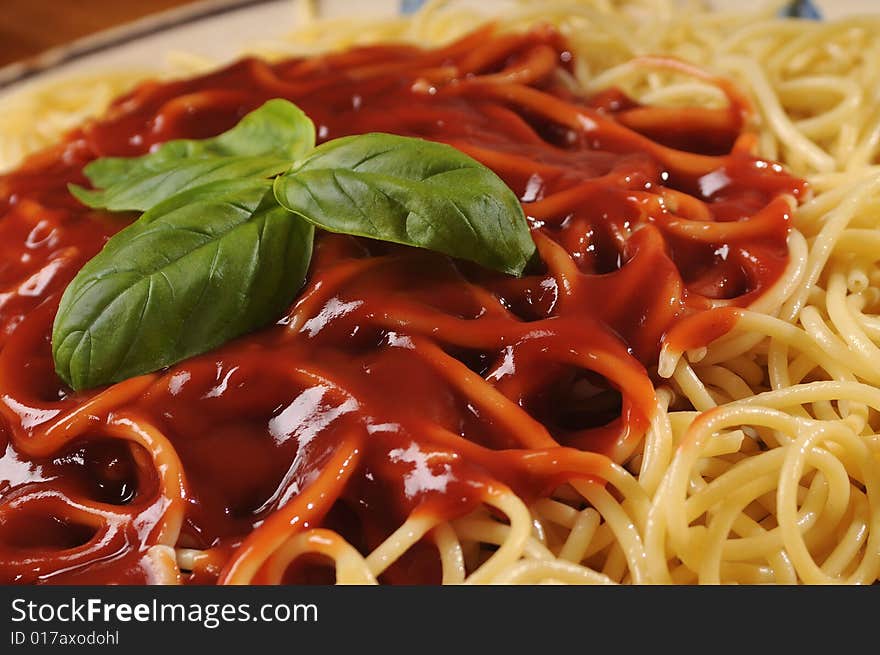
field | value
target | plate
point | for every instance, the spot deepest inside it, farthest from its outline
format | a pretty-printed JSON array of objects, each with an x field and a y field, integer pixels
[{"x": 220, "y": 30}]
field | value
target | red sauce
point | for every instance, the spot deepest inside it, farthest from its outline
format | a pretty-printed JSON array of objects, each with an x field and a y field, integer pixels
[{"x": 402, "y": 381}]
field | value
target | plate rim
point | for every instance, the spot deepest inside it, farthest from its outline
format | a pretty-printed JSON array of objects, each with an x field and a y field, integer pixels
[{"x": 24, "y": 70}]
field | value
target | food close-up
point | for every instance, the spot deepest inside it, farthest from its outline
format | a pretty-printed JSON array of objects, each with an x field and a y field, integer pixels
[{"x": 579, "y": 292}]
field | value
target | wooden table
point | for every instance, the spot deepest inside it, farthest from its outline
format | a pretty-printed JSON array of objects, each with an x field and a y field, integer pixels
[{"x": 28, "y": 27}]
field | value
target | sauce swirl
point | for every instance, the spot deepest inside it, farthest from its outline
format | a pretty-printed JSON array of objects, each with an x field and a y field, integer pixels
[{"x": 402, "y": 382}]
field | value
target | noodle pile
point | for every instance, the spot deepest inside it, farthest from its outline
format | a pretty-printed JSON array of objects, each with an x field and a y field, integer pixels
[{"x": 762, "y": 461}]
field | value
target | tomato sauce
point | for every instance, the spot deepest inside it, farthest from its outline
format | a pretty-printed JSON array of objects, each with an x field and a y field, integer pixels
[{"x": 402, "y": 382}]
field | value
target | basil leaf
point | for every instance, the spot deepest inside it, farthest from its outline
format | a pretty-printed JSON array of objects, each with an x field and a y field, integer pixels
[
  {"x": 274, "y": 134},
  {"x": 413, "y": 192},
  {"x": 278, "y": 128},
  {"x": 145, "y": 188},
  {"x": 197, "y": 270}
]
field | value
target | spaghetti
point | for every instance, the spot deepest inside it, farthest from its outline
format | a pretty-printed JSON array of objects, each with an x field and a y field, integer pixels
[{"x": 685, "y": 390}]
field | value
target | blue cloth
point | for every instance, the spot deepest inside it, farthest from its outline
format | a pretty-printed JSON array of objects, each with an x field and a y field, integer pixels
[
  {"x": 410, "y": 6},
  {"x": 802, "y": 9}
]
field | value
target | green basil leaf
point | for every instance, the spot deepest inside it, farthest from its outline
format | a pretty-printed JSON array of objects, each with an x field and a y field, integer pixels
[
  {"x": 274, "y": 135},
  {"x": 413, "y": 192},
  {"x": 203, "y": 267},
  {"x": 145, "y": 188},
  {"x": 277, "y": 128}
]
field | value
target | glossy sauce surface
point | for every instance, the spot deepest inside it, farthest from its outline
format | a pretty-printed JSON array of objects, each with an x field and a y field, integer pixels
[{"x": 401, "y": 382}]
